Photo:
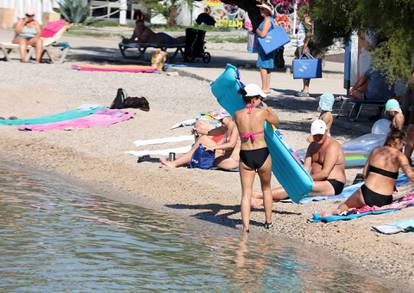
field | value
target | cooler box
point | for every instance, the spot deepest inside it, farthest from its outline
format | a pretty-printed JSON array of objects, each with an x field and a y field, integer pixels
[{"x": 307, "y": 68}]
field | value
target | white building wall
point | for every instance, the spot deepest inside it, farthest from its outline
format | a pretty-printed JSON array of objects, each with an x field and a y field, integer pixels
[{"x": 21, "y": 6}]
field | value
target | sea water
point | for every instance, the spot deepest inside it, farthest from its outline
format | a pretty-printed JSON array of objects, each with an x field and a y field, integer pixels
[{"x": 58, "y": 236}]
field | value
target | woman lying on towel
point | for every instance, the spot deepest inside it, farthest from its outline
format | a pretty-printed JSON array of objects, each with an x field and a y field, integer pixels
[
  {"x": 143, "y": 34},
  {"x": 380, "y": 172},
  {"x": 223, "y": 141}
]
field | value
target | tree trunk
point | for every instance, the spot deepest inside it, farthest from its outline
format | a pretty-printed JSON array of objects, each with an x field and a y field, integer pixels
[{"x": 250, "y": 7}]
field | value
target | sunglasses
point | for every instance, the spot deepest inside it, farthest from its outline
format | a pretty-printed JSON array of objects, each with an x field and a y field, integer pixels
[{"x": 30, "y": 15}]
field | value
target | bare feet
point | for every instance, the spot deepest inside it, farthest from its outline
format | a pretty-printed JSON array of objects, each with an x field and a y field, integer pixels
[{"x": 167, "y": 163}]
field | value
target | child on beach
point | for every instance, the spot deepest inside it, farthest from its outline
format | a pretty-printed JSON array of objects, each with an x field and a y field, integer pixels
[
  {"x": 326, "y": 102},
  {"x": 394, "y": 113},
  {"x": 254, "y": 154}
]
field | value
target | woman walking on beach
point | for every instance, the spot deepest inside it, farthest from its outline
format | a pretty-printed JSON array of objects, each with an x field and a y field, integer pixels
[
  {"x": 254, "y": 154},
  {"x": 380, "y": 172},
  {"x": 265, "y": 62}
]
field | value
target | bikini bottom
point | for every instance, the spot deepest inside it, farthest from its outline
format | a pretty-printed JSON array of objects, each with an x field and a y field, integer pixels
[
  {"x": 372, "y": 198},
  {"x": 338, "y": 186},
  {"x": 254, "y": 159}
]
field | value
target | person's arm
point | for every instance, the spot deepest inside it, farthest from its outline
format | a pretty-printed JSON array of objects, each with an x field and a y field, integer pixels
[
  {"x": 328, "y": 164},
  {"x": 38, "y": 29},
  {"x": 308, "y": 160},
  {"x": 262, "y": 33},
  {"x": 232, "y": 141},
  {"x": 405, "y": 166},
  {"x": 398, "y": 121},
  {"x": 19, "y": 26},
  {"x": 271, "y": 116},
  {"x": 360, "y": 83}
]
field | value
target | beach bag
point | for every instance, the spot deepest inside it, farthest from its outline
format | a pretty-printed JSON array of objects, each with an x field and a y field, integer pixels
[
  {"x": 202, "y": 158},
  {"x": 275, "y": 38},
  {"x": 307, "y": 67},
  {"x": 251, "y": 42}
]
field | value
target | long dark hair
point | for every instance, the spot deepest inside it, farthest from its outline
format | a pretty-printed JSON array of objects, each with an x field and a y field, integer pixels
[{"x": 393, "y": 136}]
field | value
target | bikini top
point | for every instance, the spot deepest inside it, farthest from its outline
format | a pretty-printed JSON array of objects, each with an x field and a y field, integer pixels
[
  {"x": 393, "y": 175},
  {"x": 251, "y": 135}
]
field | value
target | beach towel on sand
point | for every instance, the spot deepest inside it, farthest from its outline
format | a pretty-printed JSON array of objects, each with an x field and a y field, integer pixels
[
  {"x": 349, "y": 190},
  {"x": 82, "y": 111},
  {"x": 143, "y": 142},
  {"x": 115, "y": 68},
  {"x": 104, "y": 117},
  {"x": 396, "y": 205},
  {"x": 163, "y": 152},
  {"x": 397, "y": 227}
]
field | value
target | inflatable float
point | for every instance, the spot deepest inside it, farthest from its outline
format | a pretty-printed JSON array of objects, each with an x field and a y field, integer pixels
[
  {"x": 285, "y": 166},
  {"x": 357, "y": 150}
]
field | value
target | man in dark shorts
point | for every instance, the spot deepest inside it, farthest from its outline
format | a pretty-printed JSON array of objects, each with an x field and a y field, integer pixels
[{"x": 325, "y": 161}]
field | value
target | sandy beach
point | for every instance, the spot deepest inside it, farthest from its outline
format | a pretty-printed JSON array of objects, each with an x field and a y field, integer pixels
[{"x": 98, "y": 155}]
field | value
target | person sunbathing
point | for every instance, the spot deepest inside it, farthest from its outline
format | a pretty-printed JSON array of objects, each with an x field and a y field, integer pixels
[
  {"x": 325, "y": 161},
  {"x": 143, "y": 34},
  {"x": 254, "y": 154},
  {"x": 28, "y": 34},
  {"x": 224, "y": 141},
  {"x": 380, "y": 172}
]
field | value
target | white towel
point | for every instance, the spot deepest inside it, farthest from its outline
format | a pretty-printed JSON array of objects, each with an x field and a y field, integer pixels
[
  {"x": 163, "y": 152},
  {"x": 188, "y": 122},
  {"x": 164, "y": 140}
]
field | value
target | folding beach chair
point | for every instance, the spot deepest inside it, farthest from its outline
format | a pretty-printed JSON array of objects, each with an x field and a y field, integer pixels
[
  {"x": 142, "y": 48},
  {"x": 356, "y": 107},
  {"x": 51, "y": 34}
]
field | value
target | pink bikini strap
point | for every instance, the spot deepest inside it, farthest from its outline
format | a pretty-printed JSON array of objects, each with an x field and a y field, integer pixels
[{"x": 251, "y": 135}]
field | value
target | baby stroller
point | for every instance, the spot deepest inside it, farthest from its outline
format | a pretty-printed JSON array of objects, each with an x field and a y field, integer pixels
[{"x": 194, "y": 45}]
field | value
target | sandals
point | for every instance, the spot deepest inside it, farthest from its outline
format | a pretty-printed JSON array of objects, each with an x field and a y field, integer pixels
[{"x": 268, "y": 225}]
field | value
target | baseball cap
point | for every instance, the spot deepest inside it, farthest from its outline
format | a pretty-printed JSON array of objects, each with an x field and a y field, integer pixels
[
  {"x": 30, "y": 11},
  {"x": 318, "y": 127},
  {"x": 326, "y": 102},
  {"x": 254, "y": 90},
  {"x": 392, "y": 105}
]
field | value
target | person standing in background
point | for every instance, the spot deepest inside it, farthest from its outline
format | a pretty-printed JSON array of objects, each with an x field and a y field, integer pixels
[{"x": 304, "y": 34}]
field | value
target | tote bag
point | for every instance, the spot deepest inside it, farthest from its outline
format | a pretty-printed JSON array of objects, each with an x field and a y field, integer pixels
[
  {"x": 307, "y": 67},
  {"x": 275, "y": 38}
]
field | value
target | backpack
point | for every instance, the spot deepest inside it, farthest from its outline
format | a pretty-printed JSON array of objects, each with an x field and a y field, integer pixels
[
  {"x": 202, "y": 158},
  {"x": 122, "y": 101}
]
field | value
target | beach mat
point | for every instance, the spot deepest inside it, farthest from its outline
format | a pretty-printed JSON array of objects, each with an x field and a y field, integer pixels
[
  {"x": 163, "y": 152},
  {"x": 396, "y": 227},
  {"x": 103, "y": 117},
  {"x": 115, "y": 68},
  {"x": 396, "y": 205},
  {"x": 82, "y": 111},
  {"x": 349, "y": 190},
  {"x": 144, "y": 142}
]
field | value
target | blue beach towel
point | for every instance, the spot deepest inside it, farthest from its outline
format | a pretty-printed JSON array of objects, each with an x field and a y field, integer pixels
[
  {"x": 349, "y": 190},
  {"x": 316, "y": 217},
  {"x": 397, "y": 227},
  {"x": 68, "y": 115},
  {"x": 289, "y": 172}
]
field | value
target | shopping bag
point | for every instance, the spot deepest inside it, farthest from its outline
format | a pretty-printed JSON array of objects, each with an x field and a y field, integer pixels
[
  {"x": 307, "y": 67},
  {"x": 275, "y": 38},
  {"x": 251, "y": 42}
]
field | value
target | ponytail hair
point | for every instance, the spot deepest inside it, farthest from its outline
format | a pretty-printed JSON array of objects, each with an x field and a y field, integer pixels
[{"x": 246, "y": 99}]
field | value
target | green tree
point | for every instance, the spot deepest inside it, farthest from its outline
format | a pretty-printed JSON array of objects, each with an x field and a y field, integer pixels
[
  {"x": 167, "y": 8},
  {"x": 390, "y": 19}
]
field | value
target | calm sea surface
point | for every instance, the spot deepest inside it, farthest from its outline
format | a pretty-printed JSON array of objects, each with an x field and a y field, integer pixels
[{"x": 56, "y": 236}]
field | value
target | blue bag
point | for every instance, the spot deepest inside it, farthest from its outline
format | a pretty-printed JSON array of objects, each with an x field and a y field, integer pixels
[
  {"x": 275, "y": 38},
  {"x": 202, "y": 158},
  {"x": 309, "y": 67}
]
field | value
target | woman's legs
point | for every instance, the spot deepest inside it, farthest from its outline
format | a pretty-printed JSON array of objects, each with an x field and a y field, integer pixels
[
  {"x": 37, "y": 43},
  {"x": 247, "y": 179},
  {"x": 22, "y": 48},
  {"x": 265, "y": 76},
  {"x": 229, "y": 162},
  {"x": 356, "y": 200},
  {"x": 306, "y": 83},
  {"x": 265, "y": 175}
]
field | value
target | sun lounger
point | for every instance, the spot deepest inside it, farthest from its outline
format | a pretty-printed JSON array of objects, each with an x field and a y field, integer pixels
[
  {"x": 142, "y": 48},
  {"x": 356, "y": 107},
  {"x": 51, "y": 34}
]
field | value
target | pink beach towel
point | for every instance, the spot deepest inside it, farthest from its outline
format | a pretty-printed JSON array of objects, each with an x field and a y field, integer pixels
[
  {"x": 52, "y": 28},
  {"x": 115, "y": 68},
  {"x": 397, "y": 204},
  {"x": 104, "y": 117}
]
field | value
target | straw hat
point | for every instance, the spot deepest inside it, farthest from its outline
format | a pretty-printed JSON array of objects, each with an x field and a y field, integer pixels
[{"x": 266, "y": 6}]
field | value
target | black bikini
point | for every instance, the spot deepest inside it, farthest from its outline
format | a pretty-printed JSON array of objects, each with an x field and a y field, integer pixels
[
  {"x": 254, "y": 159},
  {"x": 338, "y": 186},
  {"x": 373, "y": 198}
]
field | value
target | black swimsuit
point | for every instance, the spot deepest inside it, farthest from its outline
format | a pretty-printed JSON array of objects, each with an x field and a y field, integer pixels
[
  {"x": 254, "y": 159},
  {"x": 338, "y": 186},
  {"x": 373, "y": 198}
]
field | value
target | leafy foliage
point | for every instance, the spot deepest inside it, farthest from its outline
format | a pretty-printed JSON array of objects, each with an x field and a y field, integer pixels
[
  {"x": 167, "y": 8},
  {"x": 74, "y": 11},
  {"x": 391, "y": 19}
]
